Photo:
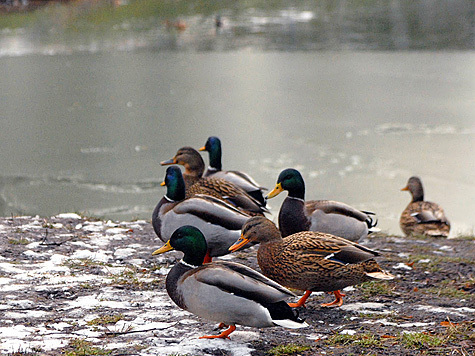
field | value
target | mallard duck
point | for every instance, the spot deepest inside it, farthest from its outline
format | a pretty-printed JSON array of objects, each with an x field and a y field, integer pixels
[
  {"x": 422, "y": 217},
  {"x": 220, "y": 221},
  {"x": 241, "y": 179},
  {"x": 310, "y": 261},
  {"x": 327, "y": 216},
  {"x": 225, "y": 292},
  {"x": 195, "y": 182}
]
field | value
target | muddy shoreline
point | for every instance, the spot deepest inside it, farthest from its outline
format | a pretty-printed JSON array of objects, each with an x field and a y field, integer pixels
[{"x": 74, "y": 285}]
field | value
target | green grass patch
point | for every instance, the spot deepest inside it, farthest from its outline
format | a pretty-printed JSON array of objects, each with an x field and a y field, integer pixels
[
  {"x": 84, "y": 264},
  {"x": 289, "y": 349},
  {"x": 135, "y": 278},
  {"x": 81, "y": 347},
  {"x": 363, "y": 340},
  {"x": 105, "y": 320},
  {"x": 421, "y": 340},
  {"x": 20, "y": 241},
  {"x": 375, "y": 288}
]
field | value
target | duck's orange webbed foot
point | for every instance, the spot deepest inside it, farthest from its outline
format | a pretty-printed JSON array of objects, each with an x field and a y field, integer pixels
[
  {"x": 338, "y": 300},
  {"x": 301, "y": 302},
  {"x": 221, "y": 326},
  {"x": 223, "y": 335}
]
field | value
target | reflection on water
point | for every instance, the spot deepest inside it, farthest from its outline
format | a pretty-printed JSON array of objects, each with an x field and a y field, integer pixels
[
  {"x": 87, "y": 117},
  {"x": 308, "y": 25}
]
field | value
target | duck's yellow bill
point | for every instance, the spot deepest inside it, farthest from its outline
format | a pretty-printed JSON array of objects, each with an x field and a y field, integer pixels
[
  {"x": 165, "y": 248},
  {"x": 405, "y": 188},
  {"x": 238, "y": 244},
  {"x": 202, "y": 148},
  {"x": 276, "y": 191},
  {"x": 163, "y": 184},
  {"x": 168, "y": 162}
]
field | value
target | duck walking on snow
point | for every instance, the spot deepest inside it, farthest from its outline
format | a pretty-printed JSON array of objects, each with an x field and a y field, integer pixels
[{"x": 224, "y": 292}]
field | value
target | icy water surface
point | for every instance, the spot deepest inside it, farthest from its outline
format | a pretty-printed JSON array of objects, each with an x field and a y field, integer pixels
[{"x": 357, "y": 99}]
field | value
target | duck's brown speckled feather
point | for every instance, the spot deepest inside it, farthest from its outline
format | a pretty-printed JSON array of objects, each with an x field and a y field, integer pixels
[{"x": 310, "y": 260}]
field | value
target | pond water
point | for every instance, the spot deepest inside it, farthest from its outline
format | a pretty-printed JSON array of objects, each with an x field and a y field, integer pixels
[{"x": 358, "y": 108}]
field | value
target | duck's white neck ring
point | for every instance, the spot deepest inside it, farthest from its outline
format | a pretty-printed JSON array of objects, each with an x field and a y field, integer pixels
[
  {"x": 212, "y": 169},
  {"x": 299, "y": 199},
  {"x": 188, "y": 264},
  {"x": 167, "y": 198}
]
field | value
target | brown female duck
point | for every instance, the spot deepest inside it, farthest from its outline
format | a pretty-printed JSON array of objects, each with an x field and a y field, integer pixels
[
  {"x": 220, "y": 188},
  {"x": 422, "y": 217},
  {"x": 310, "y": 261}
]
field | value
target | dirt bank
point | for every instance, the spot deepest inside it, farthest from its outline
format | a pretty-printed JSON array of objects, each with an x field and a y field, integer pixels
[{"x": 76, "y": 286}]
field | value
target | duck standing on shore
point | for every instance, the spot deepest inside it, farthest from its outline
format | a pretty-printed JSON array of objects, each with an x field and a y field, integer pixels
[
  {"x": 220, "y": 221},
  {"x": 241, "y": 179},
  {"x": 326, "y": 216},
  {"x": 224, "y": 292},
  {"x": 310, "y": 261},
  {"x": 422, "y": 217},
  {"x": 194, "y": 165}
]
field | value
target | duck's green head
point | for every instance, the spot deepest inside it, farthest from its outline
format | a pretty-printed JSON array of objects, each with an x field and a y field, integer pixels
[
  {"x": 175, "y": 184},
  {"x": 291, "y": 180},
  {"x": 213, "y": 147},
  {"x": 189, "y": 240}
]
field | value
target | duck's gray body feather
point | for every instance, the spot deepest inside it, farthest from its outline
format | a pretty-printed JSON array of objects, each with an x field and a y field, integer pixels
[
  {"x": 220, "y": 222},
  {"x": 230, "y": 293}
]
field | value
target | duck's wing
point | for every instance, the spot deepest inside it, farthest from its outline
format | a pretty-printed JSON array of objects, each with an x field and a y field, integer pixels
[
  {"x": 243, "y": 181},
  {"x": 335, "y": 207},
  {"x": 212, "y": 210},
  {"x": 430, "y": 212},
  {"x": 242, "y": 281},
  {"x": 234, "y": 194},
  {"x": 326, "y": 246}
]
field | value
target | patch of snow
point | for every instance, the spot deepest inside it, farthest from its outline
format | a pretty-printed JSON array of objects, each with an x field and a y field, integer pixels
[
  {"x": 27, "y": 314},
  {"x": 60, "y": 326},
  {"x": 366, "y": 308},
  {"x": 427, "y": 260},
  {"x": 446, "y": 248},
  {"x": 455, "y": 311},
  {"x": 194, "y": 346},
  {"x": 402, "y": 266},
  {"x": 124, "y": 252},
  {"x": 69, "y": 216},
  {"x": 116, "y": 230},
  {"x": 92, "y": 255}
]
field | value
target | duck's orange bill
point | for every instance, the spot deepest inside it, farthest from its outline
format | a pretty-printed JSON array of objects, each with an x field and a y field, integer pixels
[
  {"x": 202, "y": 148},
  {"x": 165, "y": 248},
  {"x": 405, "y": 188},
  {"x": 238, "y": 244},
  {"x": 163, "y": 184},
  {"x": 276, "y": 191}
]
